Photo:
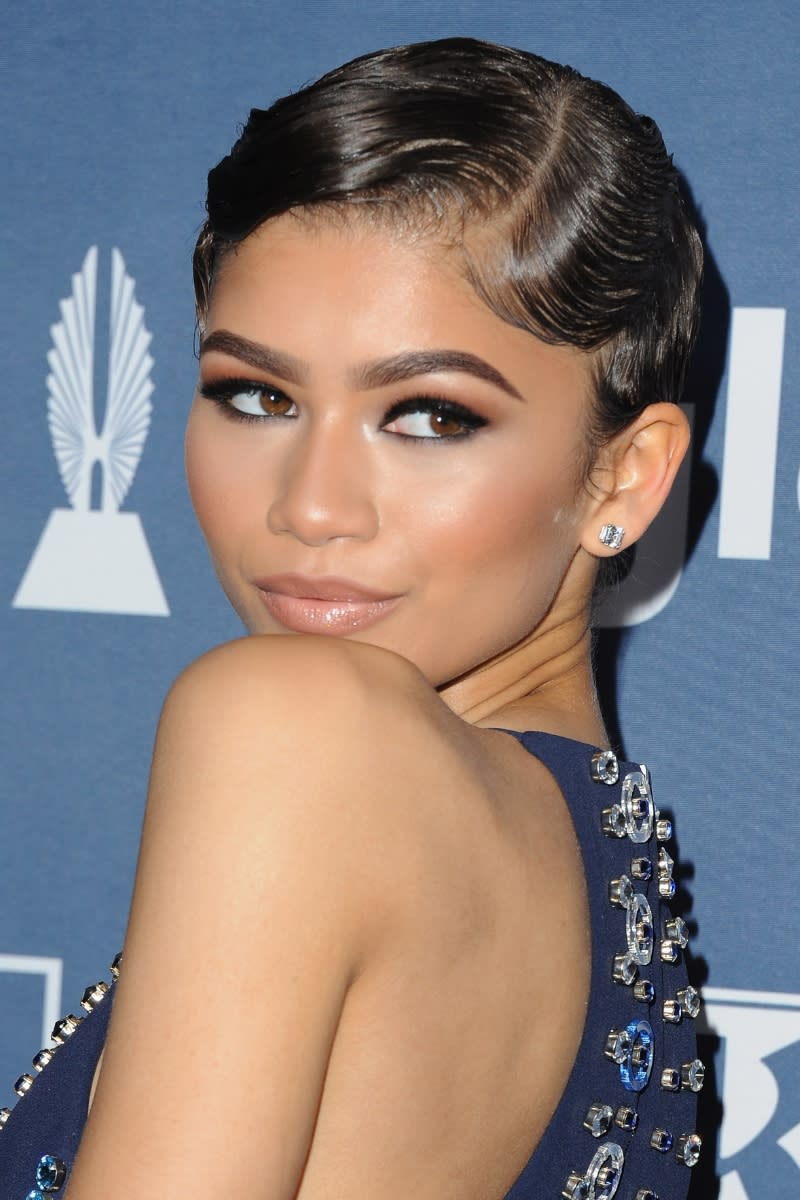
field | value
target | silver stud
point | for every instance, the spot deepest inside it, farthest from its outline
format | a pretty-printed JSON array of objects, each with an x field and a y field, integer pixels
[
  {"x": 43, "y": 1058},
  {"x": 688, "y": 1148},
  {"x": 671, "y": 1079},
  {"x": 645, "y": 1194},
  {"x": 666, "y": 884},
  {"x": 670, "y": 952},
  {"x": 24, "y": 1085},
  {"x": 672, "y": 1011},
  {"x": 5, "y": 1113},
  {"x": 624, "y": 969},
  {"x": 115, "y": 966},
  {"x": 618, "y": 1045},
  {"x": 661, "y": 1140},
  {"x": 693, "y": 1075},
  {"x": 639, "y": 930},
  {"x": 643, "y": 990},
  {"x": 65, "y": 1028},
  {"x": 620, "y": 891},
  {"x": 598, "y": 1119},
  {"x": 604, "y": 767},
  {"x": 642, "y": 868},
  {"x": 663, "y": 829},
  {"x": 94, "y": 996},
  {"x": 626, "y": 1117},
  {"x": 689, "y": 999},
  {"x": 577, "y": 1187},
  {"x": 613, "y": 821},
  {"x": 677, "y": 930}
]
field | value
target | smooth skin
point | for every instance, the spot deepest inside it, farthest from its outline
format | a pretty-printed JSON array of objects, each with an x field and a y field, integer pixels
[{"x": 358, "y": 955}]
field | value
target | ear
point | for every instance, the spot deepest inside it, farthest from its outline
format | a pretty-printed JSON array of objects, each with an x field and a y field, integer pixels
[{"x": 632, "y": 476}]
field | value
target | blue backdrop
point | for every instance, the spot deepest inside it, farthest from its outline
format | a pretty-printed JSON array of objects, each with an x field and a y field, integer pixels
[{"x": 112, "y": 114}]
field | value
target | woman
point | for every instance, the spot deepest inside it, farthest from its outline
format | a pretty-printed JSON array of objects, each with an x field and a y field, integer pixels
[{"x": 384, "y": 940}]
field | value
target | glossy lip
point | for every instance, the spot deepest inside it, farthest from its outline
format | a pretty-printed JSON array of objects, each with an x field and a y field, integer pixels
[{"x": 323, "y": 604}]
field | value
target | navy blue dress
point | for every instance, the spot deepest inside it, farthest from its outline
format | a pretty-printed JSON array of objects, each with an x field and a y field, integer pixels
[{"x": 625, "y": 1124}]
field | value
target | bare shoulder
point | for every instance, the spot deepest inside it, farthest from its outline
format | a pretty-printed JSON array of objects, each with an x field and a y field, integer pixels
[{"x": 308, "y": 705}]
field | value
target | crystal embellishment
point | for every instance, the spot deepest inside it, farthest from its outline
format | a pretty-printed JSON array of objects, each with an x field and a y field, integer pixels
[
  {"x": 43, "y": 1058},
  {"x": 94, "y": 996},
  {"x": 677, "y": 931},
  {"x": 670, "y": 951},
  {"x": 642, "y": 868},
  {"x": 576, "y": 1188},
  {"x": 644, "y": 991},
  {"x": 604, "y": 1172},
  {"x": 688, "y": 1148},
  {"x": 598, "y": 1119},
  {"x": 624, "y": 969},
  {"x": 65, "y": 1028},
  {"x": 613, "y": 821},
  {"x": 693, "y": 1075},
  {"x": 663, "y": 829},
  {"x": 618, "y": 1045},
  {"x": 672, "y": 1011},
  {"x": 620, "y": 891},
  {"x": 637, "y": 1064},
  {"x": 604, "y": 767},
  {"x": 639, "y": 930},
  {"x": 50, "y": 1173},
  {"x": 661, "y": 1140},
  {"x": 689, "y": 1000},
  {"x": 637, "y": 805},
  {"x": 626, "y": 1118}
]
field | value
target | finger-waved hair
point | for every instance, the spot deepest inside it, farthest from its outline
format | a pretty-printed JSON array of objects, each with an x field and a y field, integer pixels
[{"x": 570, "y": 215}]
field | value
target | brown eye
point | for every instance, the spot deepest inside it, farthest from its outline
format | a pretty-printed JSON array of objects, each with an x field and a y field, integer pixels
[
  {"x": 274, "y": 404},
  {"x": 445, "y": 424},
  {"x": 427, "y": 418},
  {"x": 260, "y": 402}
]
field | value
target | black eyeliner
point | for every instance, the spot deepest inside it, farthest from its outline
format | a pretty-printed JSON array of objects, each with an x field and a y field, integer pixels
[{"x": 438, "y": 406}]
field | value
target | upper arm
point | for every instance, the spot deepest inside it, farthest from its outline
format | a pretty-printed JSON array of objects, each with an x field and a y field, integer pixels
[{"x": 256, "y": 904}]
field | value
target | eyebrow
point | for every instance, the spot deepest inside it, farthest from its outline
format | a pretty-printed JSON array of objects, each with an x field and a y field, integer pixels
[
  {"x": 263, "y": 358},
  {"x": 429, "y": 362},
  {"x": 378, "y": 373}
]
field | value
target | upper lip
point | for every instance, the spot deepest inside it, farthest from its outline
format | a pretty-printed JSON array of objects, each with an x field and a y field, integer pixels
[{"x": 322, "y": 587}]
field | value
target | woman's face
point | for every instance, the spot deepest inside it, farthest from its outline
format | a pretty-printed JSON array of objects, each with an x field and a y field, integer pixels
[{"x": 373, "y": 454}]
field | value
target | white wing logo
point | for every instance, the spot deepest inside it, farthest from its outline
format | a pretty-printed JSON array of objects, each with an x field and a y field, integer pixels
[
  {"x": 70, "y": 383},
  {"x": 97, "y": 560}
]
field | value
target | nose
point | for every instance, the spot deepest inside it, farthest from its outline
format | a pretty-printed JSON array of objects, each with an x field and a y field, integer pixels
[{"x": 323, "y": 490}]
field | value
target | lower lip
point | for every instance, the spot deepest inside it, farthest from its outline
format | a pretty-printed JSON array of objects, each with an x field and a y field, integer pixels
[{"x": 303, "y": 614}]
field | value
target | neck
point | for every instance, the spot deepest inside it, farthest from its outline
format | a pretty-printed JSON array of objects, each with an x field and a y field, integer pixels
[{"x": 543, "y": 682}]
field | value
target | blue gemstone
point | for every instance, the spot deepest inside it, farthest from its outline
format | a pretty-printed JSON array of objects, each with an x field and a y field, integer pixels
[
  {"x": 50, "y": 1173},
  {"x": 635, "y": 1068},
  {"x": 35, "y": 1195}
]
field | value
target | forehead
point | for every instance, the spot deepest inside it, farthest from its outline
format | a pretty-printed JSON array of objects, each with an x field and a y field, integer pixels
[{"x": 357, "y": 288}]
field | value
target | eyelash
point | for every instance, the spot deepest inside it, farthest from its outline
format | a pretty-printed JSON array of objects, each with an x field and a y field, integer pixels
[{"x": 223, "y": 391}]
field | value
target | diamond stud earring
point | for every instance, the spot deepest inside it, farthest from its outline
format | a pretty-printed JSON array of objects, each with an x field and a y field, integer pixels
[{"x": 611, "y": 536}]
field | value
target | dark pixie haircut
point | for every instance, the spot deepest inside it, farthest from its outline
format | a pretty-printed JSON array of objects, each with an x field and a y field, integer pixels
[{"x": 579, "y": 231}]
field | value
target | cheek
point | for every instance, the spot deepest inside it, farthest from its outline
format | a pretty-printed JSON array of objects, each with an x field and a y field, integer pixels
[
  {"x": 214, "y": 481},
  {"x": 515, "y": 519}
]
